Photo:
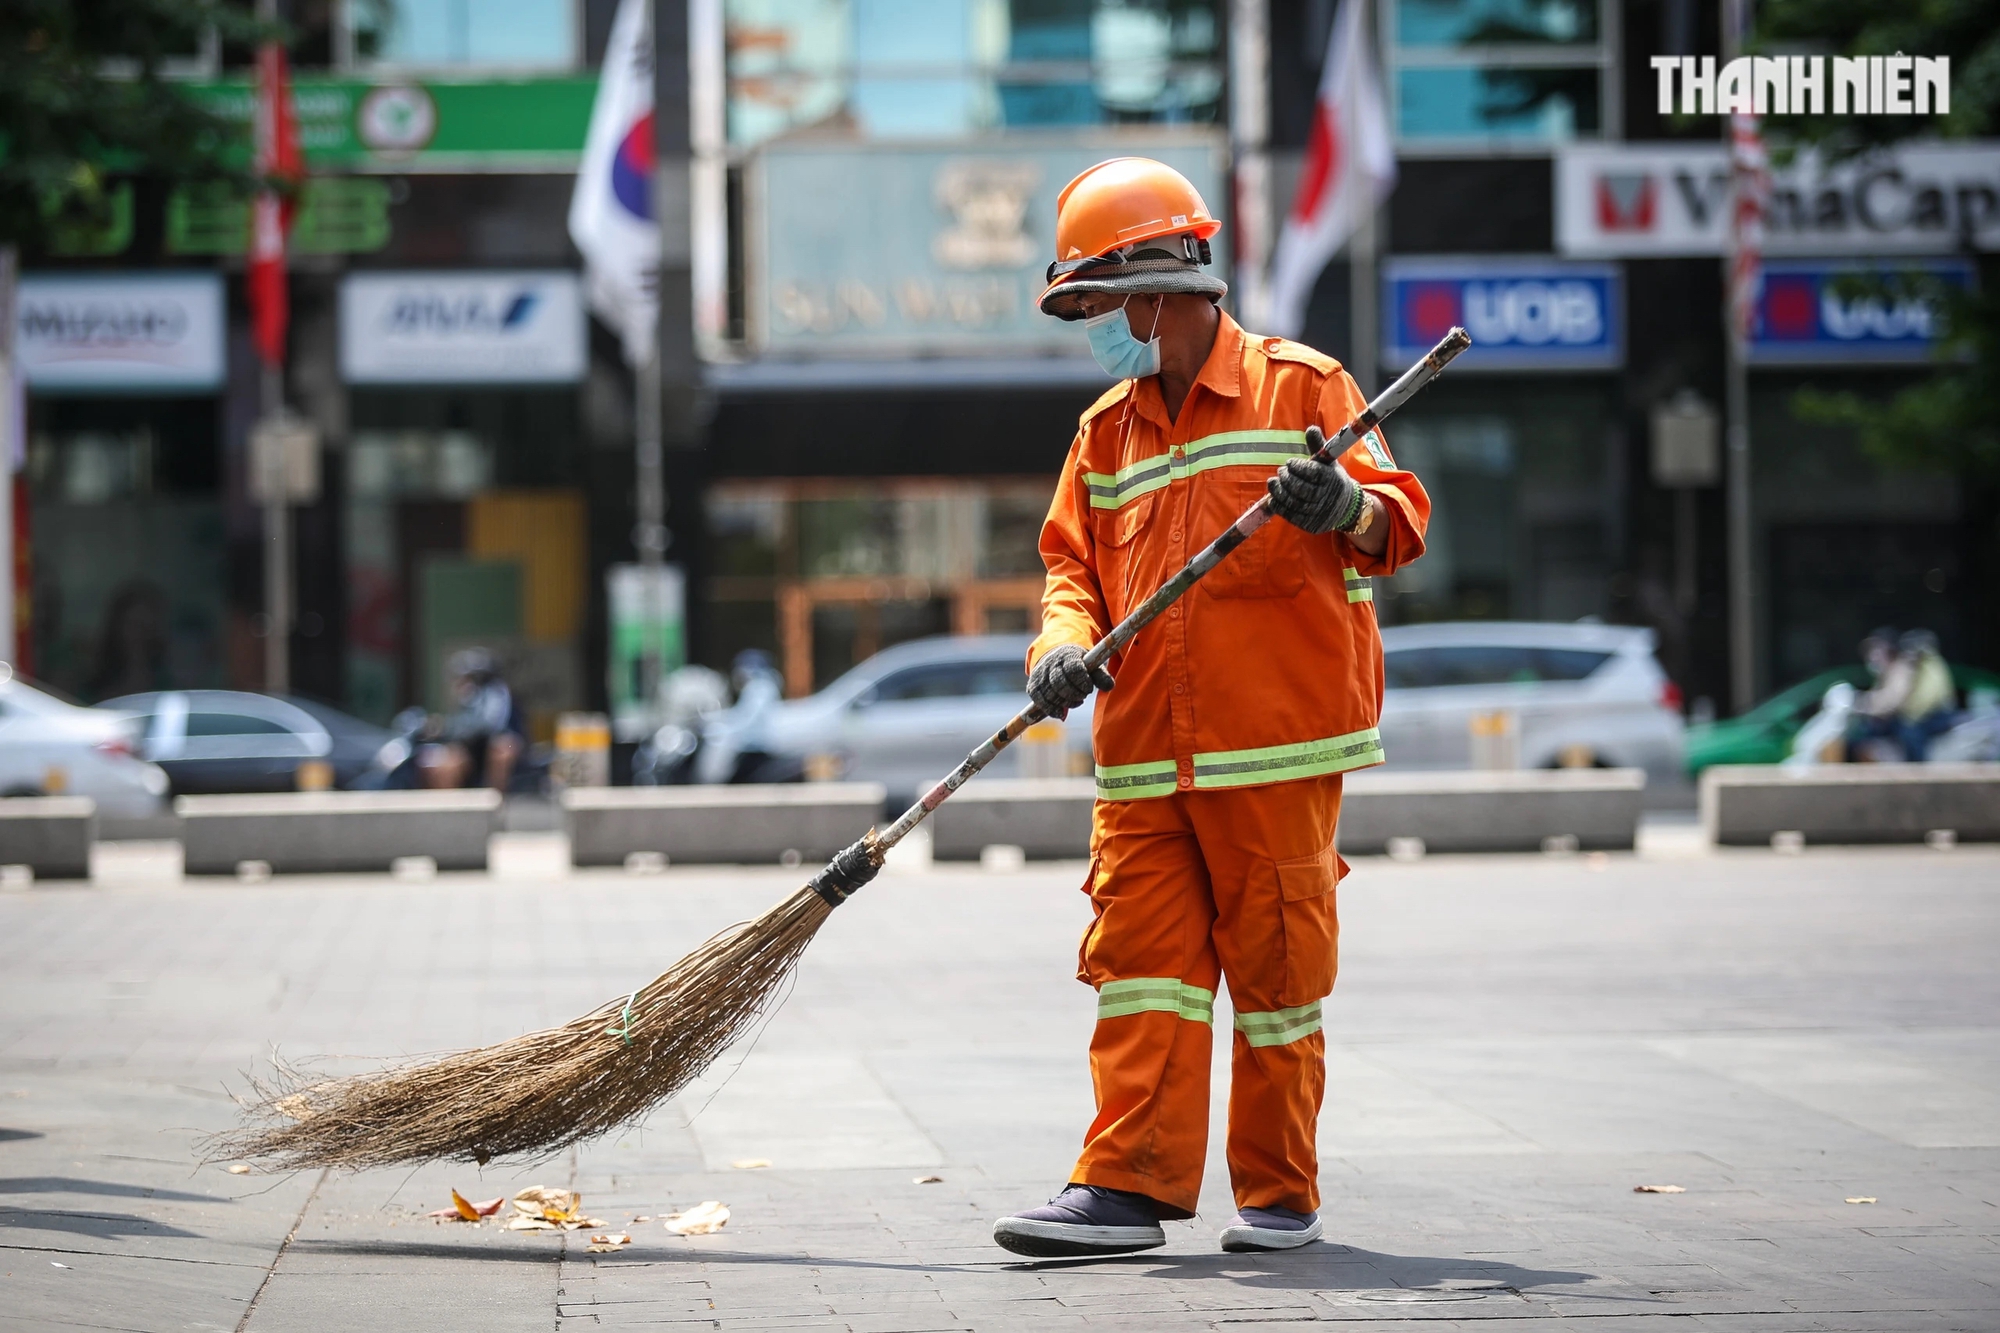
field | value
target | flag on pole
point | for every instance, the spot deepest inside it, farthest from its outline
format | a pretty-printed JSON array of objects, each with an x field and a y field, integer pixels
[
  {"x": 1349, "y": 169},
  {"x": 1750, "y": 176},
  {"x": 611, "y": 212},
  {"x": 278, "y": 160}
]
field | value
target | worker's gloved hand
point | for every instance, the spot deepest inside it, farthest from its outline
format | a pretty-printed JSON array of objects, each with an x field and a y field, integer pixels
[
  {"x": 1061, "y": 681},
  {"x": 1317, "y": 497}
]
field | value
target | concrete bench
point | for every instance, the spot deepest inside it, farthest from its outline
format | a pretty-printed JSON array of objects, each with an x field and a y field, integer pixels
[
  {"x": 1048, "y": 818},
  {"x": 1745, "y": 804},
  {"x": 49, "y": 834},
  {"x": 1493, "y": 811},
  {"x": 336, "y": 830},
  {"x": 745, "y": 825}
]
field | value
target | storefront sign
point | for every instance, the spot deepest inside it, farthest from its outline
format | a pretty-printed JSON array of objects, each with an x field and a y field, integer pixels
[
  {"x": 906, "y": 251},
  {"x": 120, "y": 331},
  {"x": 413, "y": 124},
  {"x": 461, "y": 328},
  {"x": 1538, "y": 314},
  {"x": 1810, "y": 313},
  {"x": 1659, "y": 201}
]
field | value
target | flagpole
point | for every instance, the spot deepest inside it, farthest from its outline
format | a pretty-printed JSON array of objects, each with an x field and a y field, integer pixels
[
  {"x": 271, "y": 405},
  {"x": 1736, "y": 404},
  {"x": 1250, "y": 133},
  {"x": 1362, "y": 323}
]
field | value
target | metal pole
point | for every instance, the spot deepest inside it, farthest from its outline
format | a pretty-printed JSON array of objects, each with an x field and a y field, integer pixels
[
  {"x": 1736, "y": 439},
  {"x": 10, "y": 403},
  {"x": 1364, "y": 358},
  {"x": 277, "y": 548},
  {"x": 1742, "y": 586},
  {"x": 1250, "y": 133}
]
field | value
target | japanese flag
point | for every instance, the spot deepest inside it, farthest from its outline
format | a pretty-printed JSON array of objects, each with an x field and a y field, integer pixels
[
  {"x": 1350, "y": 168},
  {"x": 611, "y": 213}
]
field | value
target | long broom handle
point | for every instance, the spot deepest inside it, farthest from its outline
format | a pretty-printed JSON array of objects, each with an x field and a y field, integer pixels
[{"x": 1406, "y": 387}]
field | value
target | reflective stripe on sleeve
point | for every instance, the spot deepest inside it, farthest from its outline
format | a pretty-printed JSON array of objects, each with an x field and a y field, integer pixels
[
  {"x": 1280, "y": 1027},
  {"x": 1279, "y": 763},
  {"x": 1167, "y": 995},
  {"x": 1359, "y": 587},
  {"x": 1132, "y": 782},
  {"x": 1230, "y": 448}
]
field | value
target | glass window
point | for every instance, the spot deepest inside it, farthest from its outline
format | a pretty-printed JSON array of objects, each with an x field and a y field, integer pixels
[
  {"x": 953, "y": 680},
  {"x": 1567, "y": 663},
  {"x": 1466, "y": 72},
  {"x": 1486, "y": 664},
  {"x": 507, "y": 33},
  {"x": 232, "y": 724},
  {"x": 944, "y": 68}
]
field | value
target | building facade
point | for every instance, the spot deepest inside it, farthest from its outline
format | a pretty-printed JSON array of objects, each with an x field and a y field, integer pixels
[{"x": 884, "y": 411}]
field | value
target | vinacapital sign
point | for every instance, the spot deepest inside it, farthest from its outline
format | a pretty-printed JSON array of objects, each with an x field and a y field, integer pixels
[{"x": 1897, "y": 85}]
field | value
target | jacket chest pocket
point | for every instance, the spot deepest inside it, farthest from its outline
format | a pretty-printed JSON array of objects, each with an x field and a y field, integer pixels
[
  {"x": 1117, "y": 532},
  {"x": 1271, "y": 564}
]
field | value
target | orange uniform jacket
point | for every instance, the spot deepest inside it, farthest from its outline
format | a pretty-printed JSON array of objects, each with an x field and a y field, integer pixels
[{"x": 1271, "y": 668}]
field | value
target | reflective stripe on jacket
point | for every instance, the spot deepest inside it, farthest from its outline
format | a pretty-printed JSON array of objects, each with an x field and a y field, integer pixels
[{"x": 1271, "y": 668}]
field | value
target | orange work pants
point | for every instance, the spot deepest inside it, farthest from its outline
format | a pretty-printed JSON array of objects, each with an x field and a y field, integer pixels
[{"x": 1235, "y": 884}]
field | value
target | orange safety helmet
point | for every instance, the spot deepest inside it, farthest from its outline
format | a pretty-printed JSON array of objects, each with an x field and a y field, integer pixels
[{"x": 1130, "y": 225}]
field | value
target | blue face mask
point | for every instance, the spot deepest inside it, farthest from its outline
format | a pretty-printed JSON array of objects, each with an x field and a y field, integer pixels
[{"x": 1123, "y": 356}]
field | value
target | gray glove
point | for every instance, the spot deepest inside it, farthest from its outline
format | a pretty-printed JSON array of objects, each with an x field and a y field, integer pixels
[
  {"x": 1317, "y": 497},
  {"x": 1061, "y": 681}
]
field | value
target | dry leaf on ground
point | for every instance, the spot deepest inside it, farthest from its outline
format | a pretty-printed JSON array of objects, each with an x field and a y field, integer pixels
[
  {"x": 706, "y": 1216},
  {"x": 239, "y": 1169},
  {"x": 605, "y": 1243},
  {"x": 928, "y": 1180},
  {"x": 1862, "y": 1198},
  {"x": 1659, "y": 1189},
  {"x": 464, "y": 1210},
  {"x": 751, "y": 1163},
  {"x": 545, "y": 1208}
]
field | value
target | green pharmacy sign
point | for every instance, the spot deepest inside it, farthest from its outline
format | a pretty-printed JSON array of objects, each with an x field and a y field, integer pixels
[{"x": 397, "y": 125}]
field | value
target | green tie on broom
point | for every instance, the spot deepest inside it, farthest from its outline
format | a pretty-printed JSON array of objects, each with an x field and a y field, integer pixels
[{"x": 539, "y": 1093}]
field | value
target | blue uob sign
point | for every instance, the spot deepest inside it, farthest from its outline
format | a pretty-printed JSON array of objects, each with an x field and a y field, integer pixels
[{"x": 1522, "y": 315}]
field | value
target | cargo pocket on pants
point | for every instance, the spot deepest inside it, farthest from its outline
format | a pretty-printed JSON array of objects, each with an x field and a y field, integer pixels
[
  {"x": 1312, "y": 926},
  {"x": 1089, "y": 931}
]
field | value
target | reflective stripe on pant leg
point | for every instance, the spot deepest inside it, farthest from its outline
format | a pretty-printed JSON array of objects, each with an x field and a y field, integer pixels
[
  {"x": 1279, "y": 1027},
  {"x": 1168, "y": 995}
]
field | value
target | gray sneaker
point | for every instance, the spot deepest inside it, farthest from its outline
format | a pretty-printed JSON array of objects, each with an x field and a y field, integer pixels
[
  {"x": 1269, "y": 1229},
  {"x": 1083, "y": 1220}
]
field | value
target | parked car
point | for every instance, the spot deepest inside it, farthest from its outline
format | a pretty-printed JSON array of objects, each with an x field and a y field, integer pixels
[
  {"x": 1578, "y": 694},
  {"x": 1763, "y": 735},
  {"x": 233, "y": 740},
  {"x": 50, "y": 746},
  {"x": 908, "y": 715}
]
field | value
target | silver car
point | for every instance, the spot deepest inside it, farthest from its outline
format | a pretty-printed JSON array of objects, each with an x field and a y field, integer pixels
[
  {"x": 1511, "y": 693},
  {"x": 909, "y": 714},
  {"x": 50, "y": 747}
]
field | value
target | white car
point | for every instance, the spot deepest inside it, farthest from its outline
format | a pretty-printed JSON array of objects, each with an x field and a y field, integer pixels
[
  {"x": 49, "y": 747},
  {"x": 1545, "y": 694},
  {"x": 908, "y": 715}
]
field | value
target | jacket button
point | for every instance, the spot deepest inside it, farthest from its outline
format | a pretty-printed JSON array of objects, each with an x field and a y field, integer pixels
[
  {"x": 1186, "y": 782},
  {"x": 1175, "y": 534},
  {"x": 1180, "y": 689}
]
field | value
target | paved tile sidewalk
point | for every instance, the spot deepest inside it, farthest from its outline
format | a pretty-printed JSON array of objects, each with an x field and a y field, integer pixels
[{"x": 1515, "y": 1043}]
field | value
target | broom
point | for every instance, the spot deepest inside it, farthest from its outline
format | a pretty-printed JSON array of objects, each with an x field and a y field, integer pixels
[{"x": 537, "y": 1094}]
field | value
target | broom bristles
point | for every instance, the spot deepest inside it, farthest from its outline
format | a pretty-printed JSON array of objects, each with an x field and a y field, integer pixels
[{"x": 539, "y": 1093}]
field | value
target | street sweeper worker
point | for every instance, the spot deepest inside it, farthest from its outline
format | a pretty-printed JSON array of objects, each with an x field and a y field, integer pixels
[{"x": 1221, "y": 749}]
